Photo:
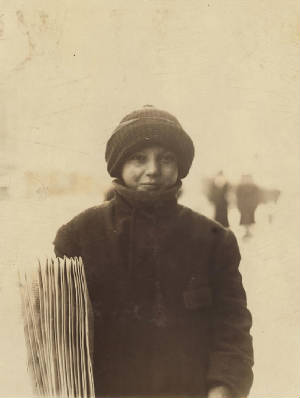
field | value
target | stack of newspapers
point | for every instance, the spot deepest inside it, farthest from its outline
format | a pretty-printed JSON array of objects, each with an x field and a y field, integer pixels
[{"x": 58, "y": 328}]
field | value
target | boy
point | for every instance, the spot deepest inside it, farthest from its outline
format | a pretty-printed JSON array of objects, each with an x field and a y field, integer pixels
[{"x": 170, "y": 314}]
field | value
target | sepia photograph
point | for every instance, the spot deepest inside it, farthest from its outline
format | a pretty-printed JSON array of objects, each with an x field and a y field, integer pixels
[{"x": 149, "y": 199}]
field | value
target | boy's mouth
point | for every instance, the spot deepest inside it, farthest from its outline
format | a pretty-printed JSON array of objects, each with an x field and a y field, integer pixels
[{"x": 150, "y": 186}]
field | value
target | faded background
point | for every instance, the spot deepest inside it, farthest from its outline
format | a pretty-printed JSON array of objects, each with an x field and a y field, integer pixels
[{"x": 229, "y": 70}]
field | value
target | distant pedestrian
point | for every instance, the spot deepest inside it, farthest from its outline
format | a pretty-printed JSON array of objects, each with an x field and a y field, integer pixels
[
  {"x": 270, "y": 198},
  {"x": 248, "y": 198},
  {"x": 218, "y": 196}
]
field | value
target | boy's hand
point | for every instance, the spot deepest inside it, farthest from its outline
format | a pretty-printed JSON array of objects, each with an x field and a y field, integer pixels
[{"x": 219, "y": 392}]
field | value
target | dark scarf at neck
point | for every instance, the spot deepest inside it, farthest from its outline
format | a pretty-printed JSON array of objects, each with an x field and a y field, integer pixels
[
  {"x": 153, "y": 204},
  {"x": 152, "y": 201}
]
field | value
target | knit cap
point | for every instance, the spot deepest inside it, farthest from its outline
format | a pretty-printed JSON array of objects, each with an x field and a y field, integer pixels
[{"x": 144, "y": 127}]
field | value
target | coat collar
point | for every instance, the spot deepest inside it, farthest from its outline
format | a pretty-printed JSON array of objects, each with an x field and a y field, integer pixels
[{"x": 156, "y": 203}]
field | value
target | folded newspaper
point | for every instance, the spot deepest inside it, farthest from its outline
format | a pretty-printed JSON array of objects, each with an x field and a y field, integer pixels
[{"x": 58, "y": 326}]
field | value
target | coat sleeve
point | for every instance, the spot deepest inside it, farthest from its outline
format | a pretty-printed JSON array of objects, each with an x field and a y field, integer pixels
[
  {"x": 231, "y": 358},
  {"x": 66, "y": 242}
]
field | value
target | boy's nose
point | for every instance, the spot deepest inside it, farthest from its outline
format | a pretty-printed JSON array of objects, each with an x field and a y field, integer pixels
[{"x": 153, "y": 167}]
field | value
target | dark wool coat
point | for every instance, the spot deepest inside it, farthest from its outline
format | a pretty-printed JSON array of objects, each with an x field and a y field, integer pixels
[{"x": 169, "y": 305}]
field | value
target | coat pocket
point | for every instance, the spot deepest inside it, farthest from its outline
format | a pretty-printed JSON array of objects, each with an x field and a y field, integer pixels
[{"x": 197, "y": 298}]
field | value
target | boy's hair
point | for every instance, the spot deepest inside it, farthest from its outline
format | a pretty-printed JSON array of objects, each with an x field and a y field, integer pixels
[{"x": 144, "y": 127}]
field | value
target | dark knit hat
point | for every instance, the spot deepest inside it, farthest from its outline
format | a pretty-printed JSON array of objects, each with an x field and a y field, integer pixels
[{"x": 148, "y": 126}]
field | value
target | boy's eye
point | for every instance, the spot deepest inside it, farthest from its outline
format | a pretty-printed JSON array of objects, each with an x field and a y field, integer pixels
[
  {"x": 139, "y": 157},
  {"x": 168, "y": 158}
]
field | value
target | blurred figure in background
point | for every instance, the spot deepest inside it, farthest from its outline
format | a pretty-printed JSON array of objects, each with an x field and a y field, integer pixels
[
  {"x": 248, "y": 198},
  {"x": 270, "y": 197},
  {"x": 218, "y": 195}
]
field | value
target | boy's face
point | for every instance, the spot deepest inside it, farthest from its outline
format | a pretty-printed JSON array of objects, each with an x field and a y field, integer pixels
[{"x": 150, "y": 169}]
